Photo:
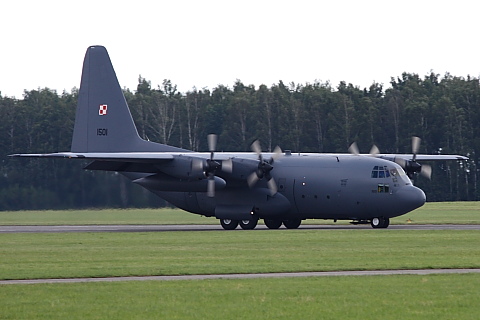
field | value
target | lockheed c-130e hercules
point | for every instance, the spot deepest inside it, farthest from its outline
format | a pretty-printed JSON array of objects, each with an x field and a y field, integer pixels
[{"x": 239, "y": 188}]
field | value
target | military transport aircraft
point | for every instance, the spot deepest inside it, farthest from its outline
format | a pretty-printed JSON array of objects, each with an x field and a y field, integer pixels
[{"x": 239, "y": 188}]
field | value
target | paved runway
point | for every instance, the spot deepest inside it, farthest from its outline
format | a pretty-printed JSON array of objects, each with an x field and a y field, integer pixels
[
  {"x": 162, "y": 228},
  {"x": 248, "y": 276}
]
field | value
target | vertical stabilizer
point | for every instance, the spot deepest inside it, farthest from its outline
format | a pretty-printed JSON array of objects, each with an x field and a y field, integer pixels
[{"x": 103, "y": 122}]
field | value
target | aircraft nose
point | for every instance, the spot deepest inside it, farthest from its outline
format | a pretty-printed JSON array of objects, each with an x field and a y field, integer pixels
[{"x": 410, "y": 198}]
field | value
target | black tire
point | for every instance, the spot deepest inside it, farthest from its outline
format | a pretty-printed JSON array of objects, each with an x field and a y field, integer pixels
[
  {"x": 273, "y": 224},
  {"x": 386, "y": 223},
  {"x": 229, "y": 224},
  {"x": 248, "y": 224},
  {"x": 380, "y": 222},
  {"x": 292, "y": 224}
]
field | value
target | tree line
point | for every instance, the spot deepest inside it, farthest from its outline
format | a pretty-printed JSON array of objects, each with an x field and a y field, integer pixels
[{"x": 312, "y": 117}]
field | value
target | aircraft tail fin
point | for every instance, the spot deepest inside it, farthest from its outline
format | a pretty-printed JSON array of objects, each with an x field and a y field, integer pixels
[{"x": 103, "y": 122}]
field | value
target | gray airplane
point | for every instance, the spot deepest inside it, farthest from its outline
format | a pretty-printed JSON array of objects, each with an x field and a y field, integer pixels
[{"x": 239, "y": 188}]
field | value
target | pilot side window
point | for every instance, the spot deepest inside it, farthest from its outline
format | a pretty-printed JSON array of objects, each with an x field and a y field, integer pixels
[{"x": 383, "y": 188}]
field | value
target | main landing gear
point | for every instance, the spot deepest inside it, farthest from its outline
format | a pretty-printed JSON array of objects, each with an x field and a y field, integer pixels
[
  {"x": 380, "y": 222},
  {"x": 289, "y": 224},
  {"x": 273, "y": 224},
  {"x": 229, "y": 224},
  {"x": 248, "y": 224}
]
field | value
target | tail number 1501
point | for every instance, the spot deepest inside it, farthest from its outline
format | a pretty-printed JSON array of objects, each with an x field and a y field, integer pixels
[{"x": 102, "y": 132}]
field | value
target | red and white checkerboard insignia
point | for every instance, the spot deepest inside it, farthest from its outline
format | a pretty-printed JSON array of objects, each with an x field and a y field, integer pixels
[{"x": 102, "y": 110}]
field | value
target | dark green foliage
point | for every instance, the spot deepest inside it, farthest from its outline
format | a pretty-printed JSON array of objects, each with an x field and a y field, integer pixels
[{"x": 444, "y": 112}]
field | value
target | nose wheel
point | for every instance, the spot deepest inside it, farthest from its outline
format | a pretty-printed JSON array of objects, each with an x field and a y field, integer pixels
[{"x": 380, "y": 222}]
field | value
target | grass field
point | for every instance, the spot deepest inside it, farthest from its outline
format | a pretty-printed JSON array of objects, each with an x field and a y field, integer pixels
[
  {"x": 374, "y": 297},
  {"x": 52, "y": 255},
  {"x": 167, "y": 253},
  {"x": 103, "y": 216},
  {"x": 432, "y": 212},
  {"x": 57, "y": 255}
]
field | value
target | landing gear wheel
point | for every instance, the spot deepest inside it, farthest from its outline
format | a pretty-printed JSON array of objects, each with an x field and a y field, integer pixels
[
  {"x": 229, "y": 224},
  {"x": 292, "y": 224},
  {"x": 272, "y": 224},
  {"x": 386, "y": 223},
  {"x": 380, "y": 222},
  {"x": 248, "y": 224}
]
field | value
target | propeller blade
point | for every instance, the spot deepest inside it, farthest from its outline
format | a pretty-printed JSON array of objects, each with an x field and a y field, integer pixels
[
  {"x": 272, "y": 186},
  {"x": 353, "y": 149},
  {"x": 415, "y": 146},
  {"x": 277, "y": 153},
  {"x": 401, "y": 162},
  {"x": 426, "y": 171},
  {"x": 212, "y": 142},
  {"x": 252, "y": 179},
  {"x": 211, "y": 187},
  {"x": 256, "y": 147},
  {"x": 374, "y": 151},
  {"x": 227, "y": 166}
]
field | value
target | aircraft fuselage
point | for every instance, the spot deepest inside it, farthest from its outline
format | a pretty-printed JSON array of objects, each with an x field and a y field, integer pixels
[{"x": 311, "y": 186}]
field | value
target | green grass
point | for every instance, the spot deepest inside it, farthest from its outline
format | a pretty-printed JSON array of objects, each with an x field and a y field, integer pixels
[
  {"x": 103, "y": 216},
  {"x": 467, "y": 212},
  {"x": 64, "y": 255},
  {"x": 432, "y": 212},
  {"x": 371, "y": 297}
]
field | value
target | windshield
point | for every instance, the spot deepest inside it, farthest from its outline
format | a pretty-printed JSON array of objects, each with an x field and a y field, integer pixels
[{"x": 399, "y": 172}]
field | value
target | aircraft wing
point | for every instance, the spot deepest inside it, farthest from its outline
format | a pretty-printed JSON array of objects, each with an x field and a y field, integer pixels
[
  {"x": 421, "y": 157},
  {"x": 116, "y": 161},
  {"x": 115, "y": 156},
  {"x": 145, "y": 162}
]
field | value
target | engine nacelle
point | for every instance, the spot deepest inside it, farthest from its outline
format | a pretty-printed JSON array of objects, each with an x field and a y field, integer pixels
[{"x": 185, "y": 168}]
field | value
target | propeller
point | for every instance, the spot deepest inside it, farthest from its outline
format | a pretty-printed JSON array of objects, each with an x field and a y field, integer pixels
[
  {"x": 264, "y": 167},
  {"x": 353, "y": 149},
  {"x": 412, "y": 167},
  {"x": 415, "y": 147},
  {"x": 210, "y": 166},
  {"x": 374, "y": 151}
]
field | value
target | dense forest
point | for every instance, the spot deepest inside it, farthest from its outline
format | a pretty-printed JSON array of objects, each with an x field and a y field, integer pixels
[{"x": 312, "y": 117}]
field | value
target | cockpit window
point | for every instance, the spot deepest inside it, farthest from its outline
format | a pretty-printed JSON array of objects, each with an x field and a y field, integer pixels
[
  {"x": 380, "y": 172},
  {"x": 399, "y": 173},
  {"x": 403, "y": 176}
]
